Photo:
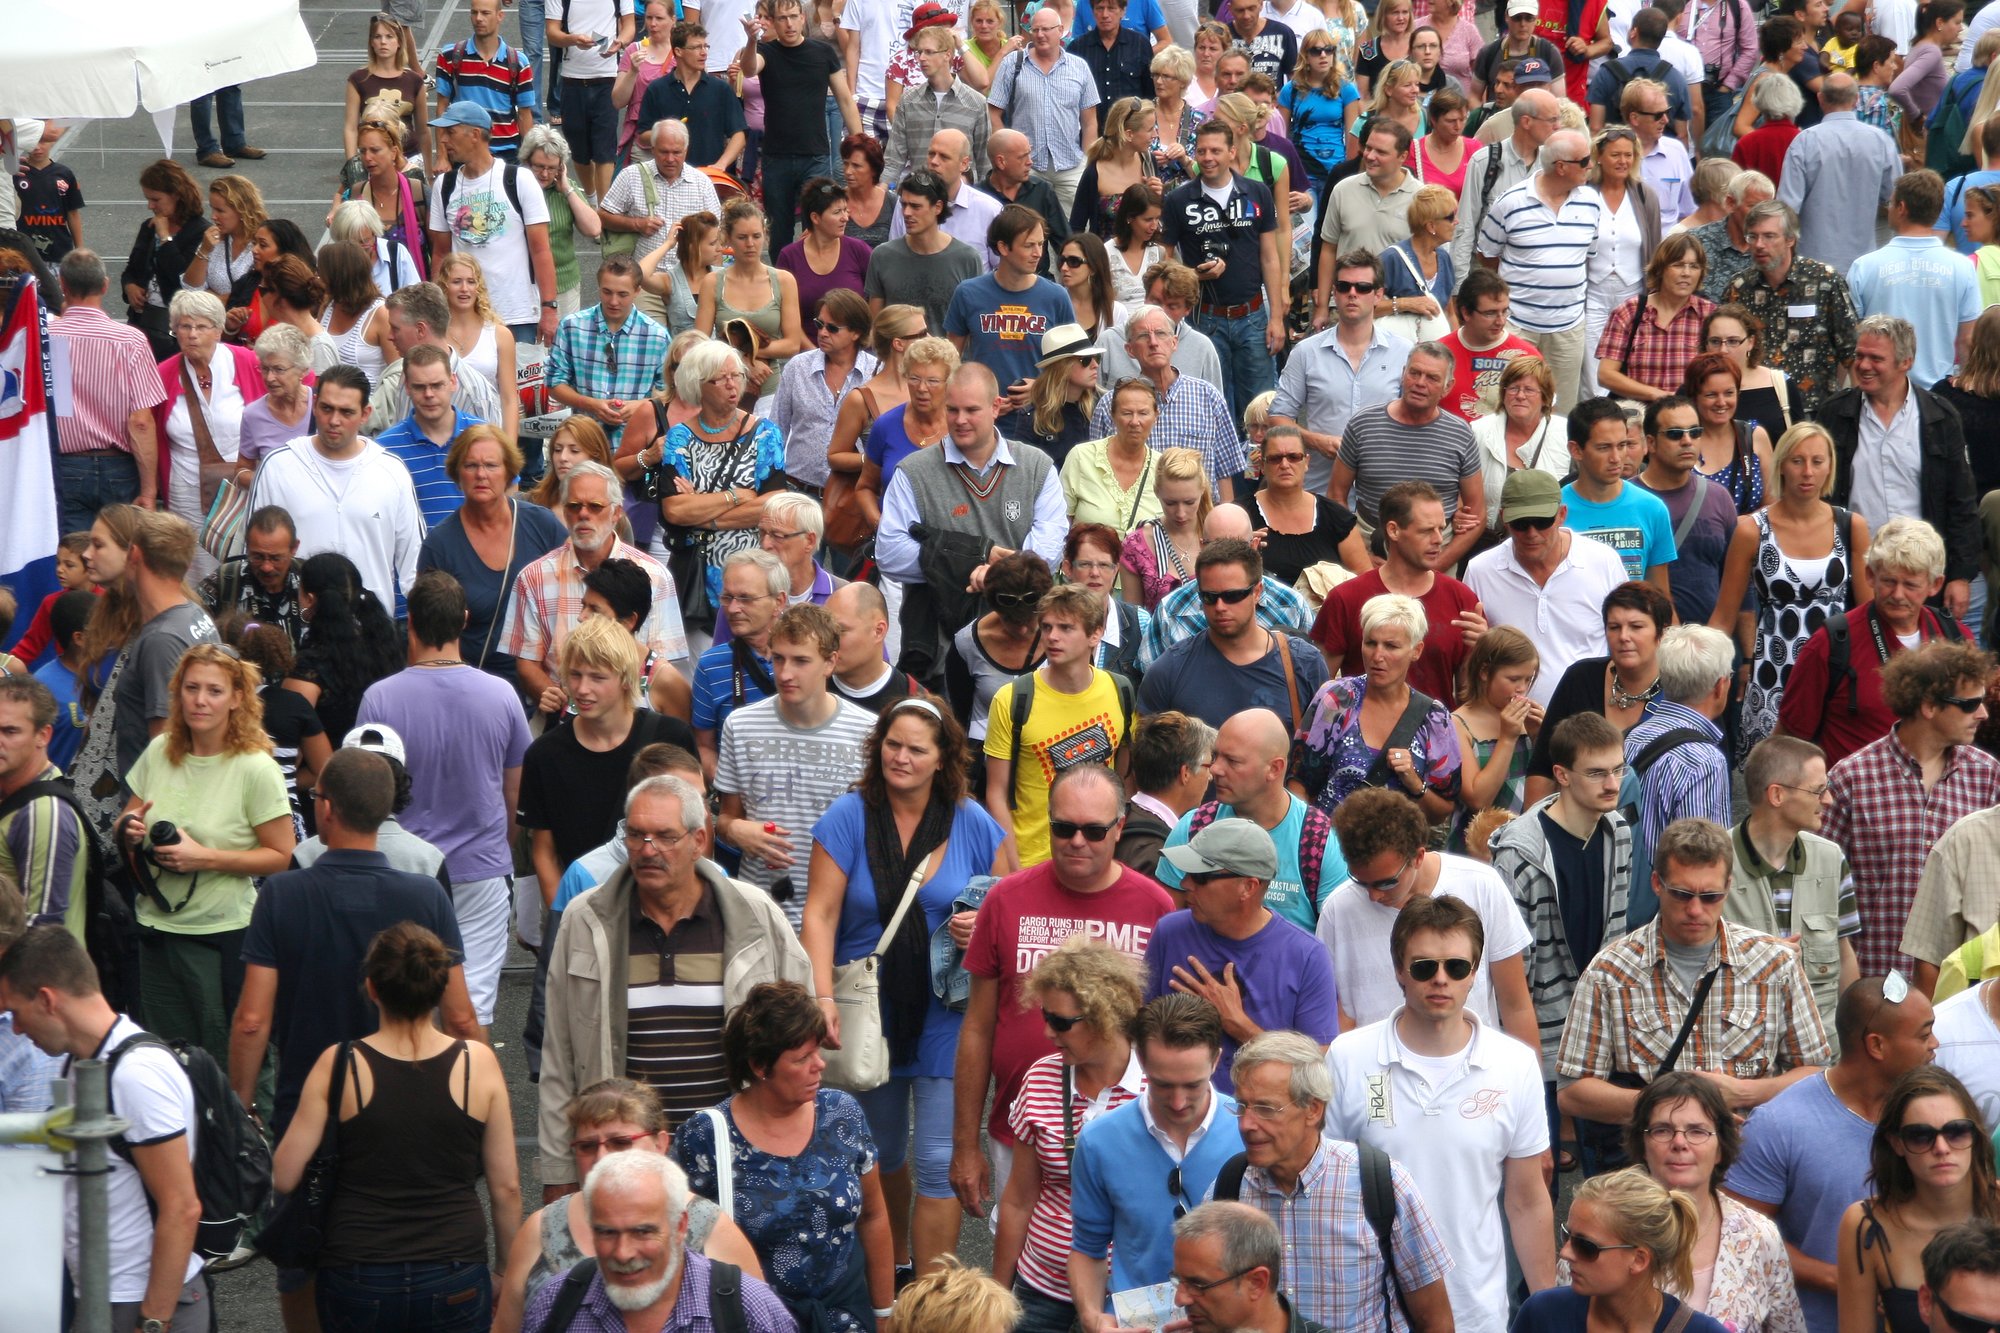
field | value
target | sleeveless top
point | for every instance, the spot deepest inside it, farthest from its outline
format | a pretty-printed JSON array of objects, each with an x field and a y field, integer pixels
[
  {"x": 1430, "y": 173},
  {"x": 1743, "y": 477},
  {"x": 1899, "y": 1304},
  {"x": 768, "y": 319},
  {"x": 560, "y": 1254},
  {"x": 410, "y": 1164},
  {"x": 353, "y": 346},
  {"x": 485, "y": 356}
]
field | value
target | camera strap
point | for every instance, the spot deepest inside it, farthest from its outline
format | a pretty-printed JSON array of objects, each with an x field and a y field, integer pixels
[{"x": 142, "y": 877}]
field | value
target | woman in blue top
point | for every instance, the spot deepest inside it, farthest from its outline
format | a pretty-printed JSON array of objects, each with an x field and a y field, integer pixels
[
  {"x": 909, "y": 816},
  {"x": 1320, "y": 105},
  {"x": 1417, "y": 275},
  {"x": 1630, "y": 1240},
  {"x": 916, "y": 424}
]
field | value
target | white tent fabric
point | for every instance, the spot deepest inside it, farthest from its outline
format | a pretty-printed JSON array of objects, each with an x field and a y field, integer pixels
[{"x": 74, "y": 60}]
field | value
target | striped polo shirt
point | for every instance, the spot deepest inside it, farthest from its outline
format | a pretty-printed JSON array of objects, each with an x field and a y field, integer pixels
[
  {"x": 1544, "y": 254},
  {"x": 502, "y": 85},
  {"x": 673, "y": 1008}
]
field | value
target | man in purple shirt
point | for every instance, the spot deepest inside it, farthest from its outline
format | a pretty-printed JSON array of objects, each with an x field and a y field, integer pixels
[{"x": 1226, "y": 937}]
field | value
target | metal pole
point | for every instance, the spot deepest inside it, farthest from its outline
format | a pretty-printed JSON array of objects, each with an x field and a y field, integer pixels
[{"x": 91, "y": 1129}]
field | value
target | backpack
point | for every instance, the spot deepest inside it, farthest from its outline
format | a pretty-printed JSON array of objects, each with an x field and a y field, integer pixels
[
  {"x": 1642, "y": 904},
  {"x": 232, "y": 1163},
  {"x": 1378, "y": 1205},
  {"x": 1312, "y": 843},
  {"x": 1946, "y": 134},
  {"x": 110, "y": 931},
  {"x": 1024, "y": 699},
  {"x": 725, "y": 1291},
  {"x": 1840, "y": 665},
  {"x": 1622, "y": 74}
]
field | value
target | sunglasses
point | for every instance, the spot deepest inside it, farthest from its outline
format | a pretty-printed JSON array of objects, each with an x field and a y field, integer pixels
[
  {"x": 1957, "y": 1134},
  {"x": 1968, "y": 704},
  {"x": 1542, "y": 524},
  {"x": 1174, "y": 1189},
  {"x": 1209, "y": 597},
  {"x": 1690, "y": 896},
  {"x": 1384, "y": 885},
  {"x": 1583, "y": 1247},
  {"x": 1014, "y": 598},
  {"x": 1272, "y": 460},
  {"x": 1062, "y": 830},
  {"x": 1207, "y": 876},
  {"x": 1345, "y": 288},
  {"x": 1423, "y": 969},
  {"x": 1072, "y": 261},
  {"x": 1963, "y": 1323},
  {"x": 1061, "y": 1022},
  {"x": 1680, "y": 432}
]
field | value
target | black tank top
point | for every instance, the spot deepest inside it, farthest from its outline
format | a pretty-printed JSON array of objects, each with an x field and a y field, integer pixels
[{"x": 409, "y": 1167}]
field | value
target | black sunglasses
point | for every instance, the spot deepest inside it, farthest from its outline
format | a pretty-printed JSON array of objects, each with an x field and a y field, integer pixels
[
  {"x": 1423, "y": 969},
  {"x": 1062, "y": 830},
  {"x": 1384, "y": 885},
  {"x": 1061, "y": 1022},
  {"x": 1690, "y": 896},
  {"x": 1955, "y": 1133},
  {"x": 1014, "y": 598},
  {"x": 1964, "y": 1323},
  {"x": 1174, "y": 1189},
  {"x": 1680, "y": 432},
  {"x": 1968, "y": 704},
  {"x": 1207, "y": 876},
  {"x": 1072, "y": 261},
  {"x": 1345, "y": 287},
  {"x": 1230, "y": 595},
  {"x": 1585, "y": 1248},
  {"x": 1542, "y": 524}
]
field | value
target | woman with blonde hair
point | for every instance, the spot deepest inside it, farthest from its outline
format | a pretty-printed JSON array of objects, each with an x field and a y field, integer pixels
[
  {"x": 356, "y": 220},
  {"x": 1417, "y": 274},
  {"x": 891, "y": 333},
  {"x": 211, "y": 776},
  {"x": 1524, "y": 433},
  {"x": 355, "y": 317},
  {"x": 476, "y": 333},
  {"x": 1627, "y": 238},
  {"x": 754, "y": 294},
  {"x": 986, "y": 40},
  {"x": 915, "y": 423},
  {"x": 236, "y": 209},
  {"x": 1121, "y": 157},
  {"x": 1387, "y": 43},
  {"x": 1176, "y": 117},
  {"x": 952, "y": 1298},
  {"x": 387, "y": 74},
  {"x": 1211, "y": 40},
  {"x": 1065, "y": 391},
  {"x": 1398, "y": 97},
  {"x": 384, "y": 187},
  {"x": 1320, "y": 103},
  {"x": 1159, "y": 554},
  {"x": 1628, "y": 1245}
]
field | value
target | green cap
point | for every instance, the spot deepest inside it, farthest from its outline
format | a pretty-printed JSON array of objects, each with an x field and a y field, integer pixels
[{"x": 1530, "y": 493}]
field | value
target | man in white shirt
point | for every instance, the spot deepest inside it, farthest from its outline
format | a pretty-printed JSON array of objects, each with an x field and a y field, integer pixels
[
  {"x": 495, "y": 211},
  {"x": 591, "y": 34},
  {"x": 1663, "y": 160},
  {"x": 1459, "y": 1104},
  {"x": 345, "y": 492}
]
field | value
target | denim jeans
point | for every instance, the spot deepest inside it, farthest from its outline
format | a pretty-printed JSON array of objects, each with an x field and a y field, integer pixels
[
  {"x": 90, "y": 483},
  {"x": 887, "y": 1109},
  {"x": 390, "y": 1298},
  {"x": 836, "y": 130},
  {"x": 230, "y": 102},
  {"x": 1246, "y": 363},
  {"x": 784, "y": 174},
  {"x": 534, "y": 44},
  {"x": 1042, "y": 1314}
]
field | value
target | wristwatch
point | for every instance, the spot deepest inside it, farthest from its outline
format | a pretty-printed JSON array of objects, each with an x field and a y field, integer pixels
[
  {"x": 152, "y": 1326},
  {"x": 548, "y": 305}
]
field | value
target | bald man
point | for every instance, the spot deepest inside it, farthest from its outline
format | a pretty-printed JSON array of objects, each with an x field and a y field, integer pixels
[
  {"x": 1013, "y": 181},
  {"x": 1537, "y": 115},
  {"x": 1231, "y": 636},
  {"x": 861, "y": 671},
  {"x": 971, "y": 211},
  {"x": 1248, "y": 771}
]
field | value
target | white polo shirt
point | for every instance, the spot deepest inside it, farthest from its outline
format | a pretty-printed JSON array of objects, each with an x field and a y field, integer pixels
[
  {"x": 1565, "y": 618},
  {"x": 1453, "y": 1123}
]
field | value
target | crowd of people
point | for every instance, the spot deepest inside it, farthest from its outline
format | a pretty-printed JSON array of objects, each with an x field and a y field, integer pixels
[{"x": 1229, "y": 641}]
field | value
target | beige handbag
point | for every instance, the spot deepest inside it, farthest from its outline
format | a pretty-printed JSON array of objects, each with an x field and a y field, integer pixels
[{"x": 862, "y": 1062}]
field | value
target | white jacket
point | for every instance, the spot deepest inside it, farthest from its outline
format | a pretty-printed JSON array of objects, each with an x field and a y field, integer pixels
[{"x": 373, "y": 521}]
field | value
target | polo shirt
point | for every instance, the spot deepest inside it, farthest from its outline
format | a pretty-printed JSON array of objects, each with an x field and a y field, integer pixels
[
  {"x": 438, "y": 495},
  {"x": 1361, "y": 217},
  {"x": 1544, "y": 253},
  {"x": 1920, "y": 279},
  {"x": 1564, "y": 617},
  {"x": 1119, "y": 1200},
  {"x": 673, "y": 1007},
  {"x": 711, "y": 112},
  {"x": 1125, "y": 69}
]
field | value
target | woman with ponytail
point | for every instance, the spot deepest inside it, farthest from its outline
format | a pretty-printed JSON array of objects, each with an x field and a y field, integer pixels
[
  {"x": 349, "y": 643},
  {"x": 1629, "y": 1245}
]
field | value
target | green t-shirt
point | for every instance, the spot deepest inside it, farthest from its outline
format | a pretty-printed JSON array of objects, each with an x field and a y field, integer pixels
[
  {"x": 218, "y": 801},
  {"x": 562, "y": 237}
]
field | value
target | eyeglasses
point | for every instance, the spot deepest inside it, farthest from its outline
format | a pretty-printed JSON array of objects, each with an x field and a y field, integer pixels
[
  {"x": 743, "y": 599},
  {"x": 1681, "y": 895},
  {"x": 774, "y": 535},
  {"x": 1815, "y": 792},
  {"x": 1967, "y": 704},
  {"x": 1540, "y": 524},
  {"x": 1963, "y": 1323},
  {"x": 1201, "y": 1288},
  {"x": 1584, "y": 1247},
  {"x": 662, "y": 842},
  {"x": 1072, "y": 261},
  {"x": 1423, "y": 969},
  {"x": 1727, "y": 344},
  {"x": 1384, "y": 885},
  {"x": 311, "y": 794},
  {"x": 1260, "y": 1110},
  {"x": 1092, "y": 566},
  {"x": 1956, "y": 1134},
  {"x": 923, "y": 381},
  {"x": 1062, "y": 830},
  {"x": 1060, "y": 1022},
  {"x": 1210, "y": 596},
  {"x": 1680, "y": 432},
  {"x": 609, "y": 1143},
  {"x": 1696, "y": 1135},
  {"x": 1346, "y": 288}
]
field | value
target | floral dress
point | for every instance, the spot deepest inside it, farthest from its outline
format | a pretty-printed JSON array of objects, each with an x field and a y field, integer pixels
[
  {"x": 1794, "y": 598},
  {"x": 1332, "y": 761},
  {"x": 1743, "y": 478},
  {"x": 1176, "y": 173},
  {"x": 750, "y": 455},
  {"x": 802, "y": 1213},
  {"x": 1750, "y": 1289}
]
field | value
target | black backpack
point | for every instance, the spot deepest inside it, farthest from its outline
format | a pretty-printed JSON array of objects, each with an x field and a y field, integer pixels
[
  {"x": 1840, "y": 660},
  {"x": 110, "y": 931},
  {"x": 508, "y": 174},
  {"x": 1024, "y": 701},
  {"x": 1378, "y": 1206},
  {"x": 232, "y": 1163},
  {"x": 725, "y": 1297}
]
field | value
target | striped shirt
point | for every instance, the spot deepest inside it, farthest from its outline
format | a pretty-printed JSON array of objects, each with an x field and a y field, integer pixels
[
  {"x": 673, "y": 1007},
  {"x": 43, "y": 850},
  {"x": 503, "y": 85},
  {"x": 1544, "y": 253},
  {"x": 1687, "y": 782},
  {"x": 1193, "y": 415},
  {"x": 1179, "y": 615},
  {"x": 1046, "y": 105},
  {"x": 1383, "y": 451},
  {"x": 438, "y": 495},
  {"x": 1037, "y": 1121},
  {"x": 721, "y": 687},
  {"x": 548, "y": 601},
  {"x": 112, "y": 375}
]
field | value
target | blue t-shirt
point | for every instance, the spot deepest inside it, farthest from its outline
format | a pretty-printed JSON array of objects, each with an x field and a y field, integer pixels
[
  {"x": 720, "y": 689},
  {"x": 1403, "y": 276},
  {"x": 1002, "y": 329},
  {"x": 889, "y": 444},
  {"x": 537, "y": 531},
  {"x": 1118, "y": 1189},
  {"x": 1284, "y": 895},
  {"x": 1319, "y": 121},
  {"x": 1144, "y": 17},
  {"x": 1805, "y": 1152},
  {"x": 1635, "y": 525},
  {"x": 1564, "y": 1309},
  {"x": 70, "y": 717},
  {"x": 1195, "y": 678},
  {"x": 438, "y": 495},
  {"x": 1286, "y": 976},
  {"x": 975, "y": 840}
]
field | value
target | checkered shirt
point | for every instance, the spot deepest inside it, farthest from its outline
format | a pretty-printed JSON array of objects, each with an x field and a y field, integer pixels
[
  {"x": 598, "y": 363},
  {"x": 1659, "y": 356},
  {"x": 1193, "y": 415},
  {"x": 548, "y": 602}
]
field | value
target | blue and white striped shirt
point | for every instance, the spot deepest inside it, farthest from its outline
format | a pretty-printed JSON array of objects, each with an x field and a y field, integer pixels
[
  {"x": 1689, "y": 781},
  {"x": 1544, "y": 254}
]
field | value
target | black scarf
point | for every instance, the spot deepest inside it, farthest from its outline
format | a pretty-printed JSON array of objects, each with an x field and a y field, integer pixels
[{"x": 906, "y": 962}]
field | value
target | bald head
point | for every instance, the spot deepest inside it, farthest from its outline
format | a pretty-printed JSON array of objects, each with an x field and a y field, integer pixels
[
  {"x": 1536, "y": 114},
  {"x": 1227, "y": 521},
  {"x": 1249, "y": 764},
  {"x": 1007, "y": 141},
  {"x": 1839, "y": 92},
  {"x": 1259, "y": 731},
  {"x": 950, "y": 154}
]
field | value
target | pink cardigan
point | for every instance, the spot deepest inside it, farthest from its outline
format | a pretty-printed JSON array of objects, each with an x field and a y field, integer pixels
[{"x": 249, "y": 383}]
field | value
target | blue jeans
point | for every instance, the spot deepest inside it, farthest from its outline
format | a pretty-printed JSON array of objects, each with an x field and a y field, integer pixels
[
  {"x": 887, "y": 1109},
  {"x": 1246, "y": 363},
  {"x": 420, "y": 1298},
  {"x": 836, "y": 130},
  {"x": 784, "y": 174},
  {"x": 1042, "y": 1314},
  {"x": 91, "y": 482},
  {"x": 534, "y": 45},
  {"x": 230, "y": 102}
]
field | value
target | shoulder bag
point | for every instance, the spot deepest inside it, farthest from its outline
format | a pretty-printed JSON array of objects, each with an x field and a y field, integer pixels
[
  {"x": 1416, "y": 328},
  {"x": 225, "y": 505},
  {"x": 861, "y": 1064},
  {"x": 625, "y": 242},
  {"x": 847, "y": 528},
  {"x": 295, "y": 1228},
  {"x": 725, "y": 1162}
]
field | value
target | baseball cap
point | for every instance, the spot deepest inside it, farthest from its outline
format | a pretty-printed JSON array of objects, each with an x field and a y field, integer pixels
[
  {"x": 1530, "y": 70},
  {"x": 1530, "y": 493},
  {"x": 1066, "y": 340},
  {"x": 1523, "y": 7},
  {"x": 374, "y": 736},
  {"x": 1228, "y": 847},
  {"x": 464, "y": 113}
]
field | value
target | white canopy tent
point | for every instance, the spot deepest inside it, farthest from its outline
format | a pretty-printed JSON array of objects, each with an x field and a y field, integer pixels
[{"x": 77, "y": 60}]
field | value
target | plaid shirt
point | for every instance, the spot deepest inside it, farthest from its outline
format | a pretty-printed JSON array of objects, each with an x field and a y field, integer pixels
[
  {"x": 1812, "y": 348},
  {"x": 598, "y": 363},
  {"x": 693, "y": 192},
  {"x": 1759, "y": 1020},
  {"x": 1047, "y": 106},
  {"x": 921, "y": 113},
  {"x": 25, "y": 1071},
  {"x": 1886, "y": 822},
  {"x": 1193, "y": 415},
  {"x": 1179, "y": 615},
  {"x": 548, "y": 601},
  {"x": 1658, "y": 357},
  {"x": 763, "y": 1312},
  {"x": 1333, "y": 1266}
]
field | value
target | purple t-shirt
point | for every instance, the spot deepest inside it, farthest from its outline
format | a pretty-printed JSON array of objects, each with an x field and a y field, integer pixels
[
  {"x": 850, "y": 270},
  {"x": 462, "y": 730},
  {"x": 1284, "y": 974}
]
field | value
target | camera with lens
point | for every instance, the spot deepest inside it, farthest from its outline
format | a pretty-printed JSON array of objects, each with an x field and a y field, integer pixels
[{"x": 163, "y": 833}]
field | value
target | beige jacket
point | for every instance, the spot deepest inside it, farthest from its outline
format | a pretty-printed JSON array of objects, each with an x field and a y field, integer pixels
[{"x": 584, "y": 1036}]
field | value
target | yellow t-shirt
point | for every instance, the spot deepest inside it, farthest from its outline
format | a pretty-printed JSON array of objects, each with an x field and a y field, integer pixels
[
  {"x": 1838, "y": 55},
  {"x": 218, "y": 801},
  {"x": 1063, "y": 730}
]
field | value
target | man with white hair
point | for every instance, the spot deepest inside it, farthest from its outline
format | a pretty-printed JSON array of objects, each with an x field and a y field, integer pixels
[
  {"x": 1838, "y": 175},
  {"x": 1193, "y": 414},
  {"x": 643, "y": 1274},
  {"x": 1676, "y": 752},
  {"x": 648, "y": 199},
  {"x": 1541, "y": 236},
  {"x": 1727, "y": 240},
  {"x": 1496, "y": 168}
]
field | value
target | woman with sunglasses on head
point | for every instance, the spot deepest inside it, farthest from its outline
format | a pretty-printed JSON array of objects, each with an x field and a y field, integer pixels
[
  {"x": 1160, "y": 555},
  {"x": 1685, "y": 1134},
  {"x": 1619, "y": 685},
  {"x": 1930, "y": 1166},
  {"x": 1807, "y": 561},
  {"x": 1735, "y": 454},
  {"x": 615, "y": 1115},
  {"x": 1628, "y": 1245},
  {"x": 1088, "y": 994},
  {"x": 1398, "y": 97},
  {"x": 398, "y": 204},
  {"x": 1121, "y": 157},
  {"x": 909, "y": 821},
  {"x": 222, "y": 262},
  {"x": 1650, "y": 338},
  {"x": 1524, "y": 433},
  {"x": 1298, "y": 528},
  {"x": 1002, "y": 643},
  {"x": 1628, "y": 235}
]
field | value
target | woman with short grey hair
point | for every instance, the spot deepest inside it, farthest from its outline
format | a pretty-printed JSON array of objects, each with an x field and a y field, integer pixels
[
  {"x": 200, "y": 422},
  {"x": 356, "y": 220},
  {"x": 546, "y": 153},
  {"x": 285, "y": 411}
]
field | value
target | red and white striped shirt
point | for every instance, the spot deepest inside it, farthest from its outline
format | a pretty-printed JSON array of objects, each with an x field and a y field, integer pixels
[
  {"x": 112, "y": 374},
  {"x": 1037, "y": 1122}
]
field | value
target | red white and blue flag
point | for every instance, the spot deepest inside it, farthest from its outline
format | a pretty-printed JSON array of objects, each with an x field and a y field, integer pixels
[{"x": 29, "y": 527}]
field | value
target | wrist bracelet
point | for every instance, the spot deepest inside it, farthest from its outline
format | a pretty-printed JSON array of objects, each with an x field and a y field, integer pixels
[{"x": 884, "y": 1314}]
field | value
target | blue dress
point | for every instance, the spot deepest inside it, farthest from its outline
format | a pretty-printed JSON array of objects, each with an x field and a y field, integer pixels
[{"x": 802, "y": 1213}]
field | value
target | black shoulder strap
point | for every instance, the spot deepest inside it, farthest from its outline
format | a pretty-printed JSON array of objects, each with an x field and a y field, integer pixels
[
  {"x": 725, "y": 1292},
  {"x": 59, "y": 789},
  {"x": 1414, "y": 713},
  {"x": 575, "y": 1286},
  {"x": 1495, "y": 151},
  {"x": 510, "y": 180},
  {"x": 1664, "y": 744},
  {"x": 1024, "y": 699},
  {"x": 1839, "y": 669},
  {"x": 1949, "y": 628},
  {"x": 445, "y": 188},
  {"x": 1378, "y": 1205},
  {"x": 1229, "y": 1180},
  {"x": 1687, "y": 1024},
  {"x": 119, "y": 1144}
]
